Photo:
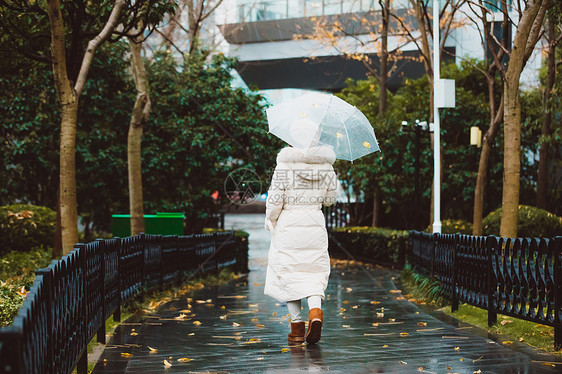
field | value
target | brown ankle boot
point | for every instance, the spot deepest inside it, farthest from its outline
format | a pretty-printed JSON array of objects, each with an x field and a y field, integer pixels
[
  {"x": 315, "y": 320},
  {"x": 297, "y": 332}
]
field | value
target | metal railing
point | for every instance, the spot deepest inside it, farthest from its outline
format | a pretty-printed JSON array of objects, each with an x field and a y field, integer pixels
[
  {"x": 70, "y": 300},
  {"x": 520, "y": 277}
]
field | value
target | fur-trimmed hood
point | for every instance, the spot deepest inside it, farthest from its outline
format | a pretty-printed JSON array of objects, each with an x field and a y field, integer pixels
[{"x": 315, "y": 155}]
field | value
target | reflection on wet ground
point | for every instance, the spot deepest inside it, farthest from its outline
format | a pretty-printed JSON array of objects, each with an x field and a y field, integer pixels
[{"x": 370, "y": 327}]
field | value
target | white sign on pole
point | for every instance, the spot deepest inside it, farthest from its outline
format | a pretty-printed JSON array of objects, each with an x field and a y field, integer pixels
[{"x": 445, "y": 93}]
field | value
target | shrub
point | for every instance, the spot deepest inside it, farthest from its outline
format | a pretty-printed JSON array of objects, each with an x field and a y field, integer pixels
[
  {"x": 369, "y": 244},
  {"x": 17, "y": 273},
  {"x": 531, "y": 222},
  {"x": 25, "y": 227},
  {"x": 453, "y": 226}
]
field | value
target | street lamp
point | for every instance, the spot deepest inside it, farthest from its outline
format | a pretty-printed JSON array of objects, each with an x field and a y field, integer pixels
[{"x": 419, "y": 127}]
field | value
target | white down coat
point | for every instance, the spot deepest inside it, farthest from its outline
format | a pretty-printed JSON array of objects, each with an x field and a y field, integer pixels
[{"x": 298, "y": 263}]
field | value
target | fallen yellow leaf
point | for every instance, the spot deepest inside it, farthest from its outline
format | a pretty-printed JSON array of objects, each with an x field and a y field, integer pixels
[
  {"x": 422, "y": 323},
  {"x": 285, "y": 350},
  {"x": 125, "y": 354},
  {"x": 184, "y": 359},
  {"x": 235, "y": 324},
  {"x": 152, "y": 350},
  {"x": 167, "y": 364},
  {"x": 506, "y": 321},
  {"x": 457, "y": 349},
  {"x": 223, "y": 317},
  {"x": 376, "y": 324},
  {"x": 403, "y": 362},
  {"x": 259, "y": 325},
  {"x": 375, "y": 302},
  {"x": 507, "y": 342},
  {"x": 385, "y": 346},
  {"x": 254, "y": 320},
  {"x": 134, "y": 333},
  {"x": 404, "y": 334},
  {"x": 395, "y": 291},
  {"x": 196, "y": 323}
]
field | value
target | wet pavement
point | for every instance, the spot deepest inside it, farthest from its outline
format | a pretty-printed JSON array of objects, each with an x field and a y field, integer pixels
[{"x": 369, "y": 327}]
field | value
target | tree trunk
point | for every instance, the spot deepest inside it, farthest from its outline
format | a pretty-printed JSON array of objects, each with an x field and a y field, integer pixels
[
  {"x": 542, "y": 181},
  {"x": 139, "y": 116},
  {"x": 512, "y": 121},
  {"x": 495, "y": 119},
  {"x": 69, "y": 108},
  {"x": 377, "y": 205},
  {"x": 68, "y": 206}
]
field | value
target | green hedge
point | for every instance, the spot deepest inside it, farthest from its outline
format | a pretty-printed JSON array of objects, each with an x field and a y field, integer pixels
[
  {"x": 17, "y": 271},
  {"x": 26, "y": 227},
  {"x": 531, "y": 222},
  {"x": 369, "y": 244},
  {"x": 453, "y": 226}
]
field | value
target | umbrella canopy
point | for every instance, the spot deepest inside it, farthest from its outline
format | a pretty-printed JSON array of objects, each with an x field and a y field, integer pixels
[{"x": 318, "y": 119}]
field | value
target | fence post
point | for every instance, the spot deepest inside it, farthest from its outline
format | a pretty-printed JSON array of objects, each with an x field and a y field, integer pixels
[
  {"x": 82, "y": 365},
  {"x": 557, "y": 243},
  {"x": 492, "y": 244},
  {"x": 101, "y": 331},
  {"x": 158, "y": 240},
  {"x": 47, "y": 287},
  {"x": 435, "y": 240},
  {"x": 178, "y": 258},
  {"x": 454, "y": 297},
  {"x": 117, "y": 313}
]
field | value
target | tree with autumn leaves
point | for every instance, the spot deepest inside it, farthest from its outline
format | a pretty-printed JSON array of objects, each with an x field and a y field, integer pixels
[{"x": 413, "y": 25}]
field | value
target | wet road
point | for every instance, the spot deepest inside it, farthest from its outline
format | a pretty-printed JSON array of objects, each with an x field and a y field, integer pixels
[{"x": 370, "y": 327}]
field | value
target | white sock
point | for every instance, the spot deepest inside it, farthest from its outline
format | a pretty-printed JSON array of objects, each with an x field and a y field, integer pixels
[
  {"x": 294, "y": 310},
  {"x": 314, "y": 301}
]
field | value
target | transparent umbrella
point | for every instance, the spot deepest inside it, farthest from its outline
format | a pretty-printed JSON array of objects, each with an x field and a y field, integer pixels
[{"x": 318, "y": 119}]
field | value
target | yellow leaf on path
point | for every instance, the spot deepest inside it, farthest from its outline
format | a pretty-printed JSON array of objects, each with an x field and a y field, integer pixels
[
  {"x": 223, "y": 317},
  {"x": 380, "y": 314},
  {"x": 404, "y": 334},
  {"x": 256, "y": 284},
  {"x": 258, "y": 325},
  {"x": 152, "y": 350},
  {"x": 392, "y": 320},
  {"x": 422, "y": 323},
  {"x": 346, "y": 302},
  {"x": 375, "y": 324},
  {"x": 134, "y": 333},
  {"x": 274, "y": 313},
  {"x": 181, "y": 316},
  {"x": 506, "y": 321},
  {"x": 403, "y": 362},
  {"x": 349, "y": 289},
  {"x": 342, "y": 309},
  {"x": 235, "y": 324},
  {"x": 254, "y": 320},
  {"x": 186, "y": 311},
  {"x": 477, "y": 371},
  {"x": 385, "y": 346},
  {"x": 395, "y": 291},
  {"x": 507, "y": 342},
  {"x": 167, "y": 364},
  {"x": 125, "y": 354},
  {"x": 259, "y": 358},
  {"x": 457, "y": 348},
  {"x": 223, "y": 307},
  {"x": 355, "y": 306},
  {"x": 420, "y": 368},
  {"x": 285, "y": 350},
  {"x": 200, "y": 301},
  {"x": 375, "y": 302},
  {"x": 191, "y": 334},
  {"x": 184, "y": 359},
  {"x": 196, "y": 323}
]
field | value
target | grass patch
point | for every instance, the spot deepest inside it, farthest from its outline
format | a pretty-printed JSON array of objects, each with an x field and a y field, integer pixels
[
  {"x": 534, "y": 334},
  {"x": 423, "y": 287},
  {"x": 427, "y": 290}
]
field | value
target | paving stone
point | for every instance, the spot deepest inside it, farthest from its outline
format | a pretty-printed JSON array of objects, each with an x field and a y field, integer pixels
[{"x": 350, "y": 343}]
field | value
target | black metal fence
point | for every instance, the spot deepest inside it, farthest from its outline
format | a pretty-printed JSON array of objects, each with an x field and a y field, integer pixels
[
  {"x": 519, "y": 277},
  {"x": 348, "y": 214},
  {"x": 70, "y": 300}
]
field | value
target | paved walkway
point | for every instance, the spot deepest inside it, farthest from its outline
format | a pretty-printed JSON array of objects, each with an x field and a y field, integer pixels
[{"x": 369, "y": 328}]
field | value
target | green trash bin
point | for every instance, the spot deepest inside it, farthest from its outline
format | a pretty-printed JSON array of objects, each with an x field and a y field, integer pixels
[{"x": 161, "y": 223}]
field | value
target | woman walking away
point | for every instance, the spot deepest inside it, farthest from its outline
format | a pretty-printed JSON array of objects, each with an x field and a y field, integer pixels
[{"x": 299, "y": 265}]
